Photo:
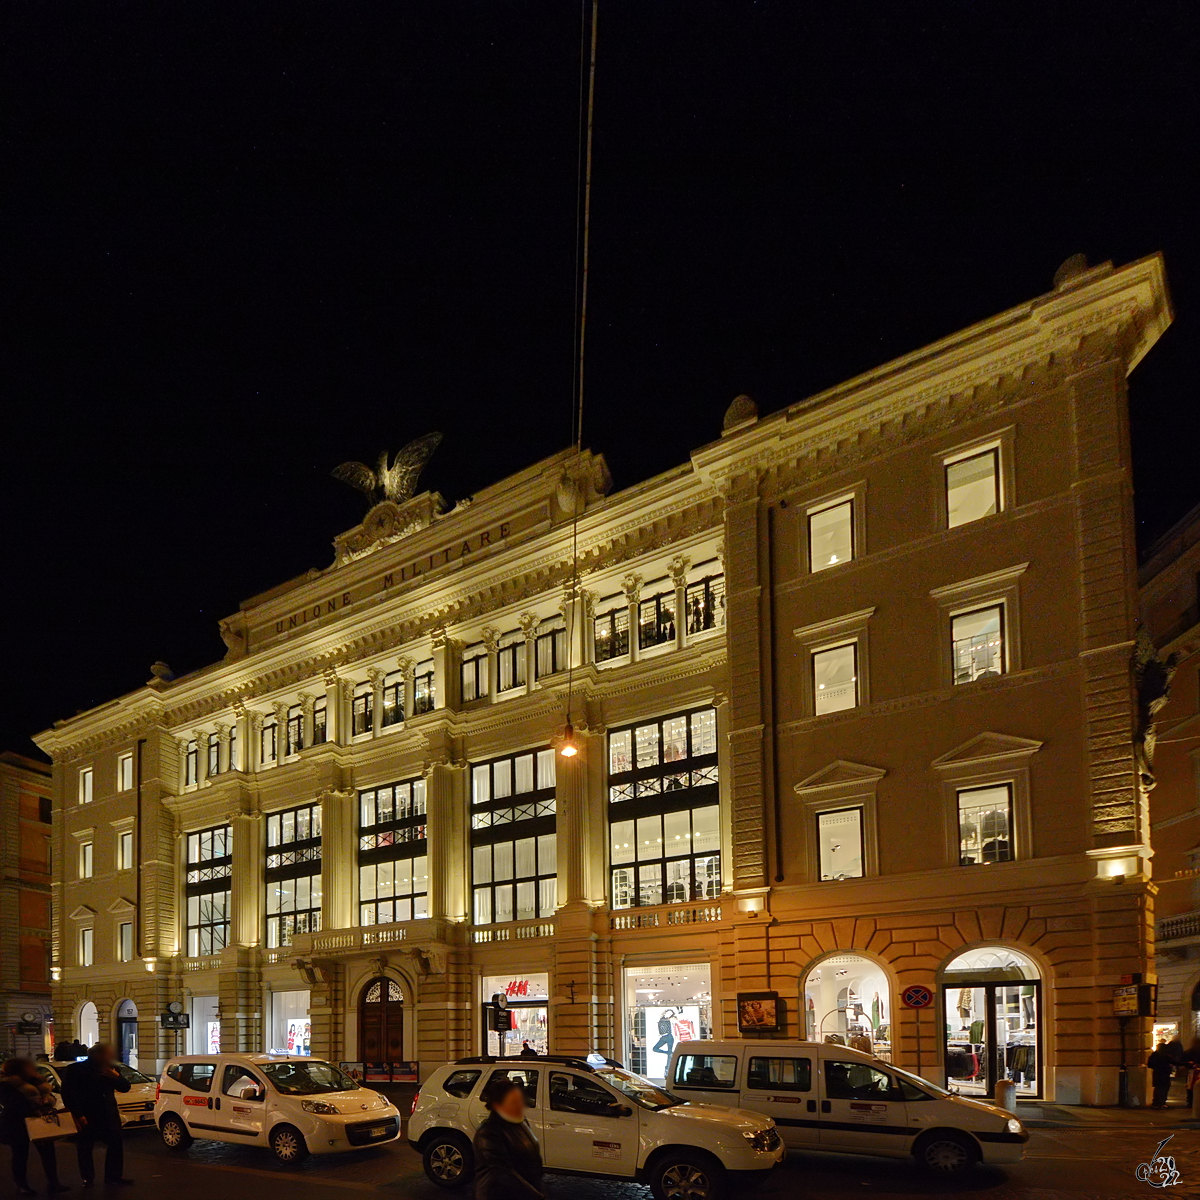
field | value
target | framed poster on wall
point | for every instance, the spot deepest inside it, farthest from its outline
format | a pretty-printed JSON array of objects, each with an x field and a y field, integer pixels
[{"x": 759, "y": 1012}]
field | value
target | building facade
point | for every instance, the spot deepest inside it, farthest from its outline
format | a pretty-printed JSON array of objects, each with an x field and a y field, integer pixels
[
  {"x": 1170, "y": 600},
  {"x": 25, "y": 822},
  {"x": 851, "y": 707}
]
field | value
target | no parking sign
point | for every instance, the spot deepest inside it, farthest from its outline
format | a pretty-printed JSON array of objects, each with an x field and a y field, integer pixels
[{"x": 916, "y": 995}]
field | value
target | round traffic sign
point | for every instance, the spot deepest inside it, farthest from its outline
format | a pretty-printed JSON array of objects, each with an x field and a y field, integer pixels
[{"x": 916, "y": 995}]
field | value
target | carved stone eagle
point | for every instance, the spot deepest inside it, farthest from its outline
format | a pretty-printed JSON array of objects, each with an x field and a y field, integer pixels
[{"x": 396, "y": 483}]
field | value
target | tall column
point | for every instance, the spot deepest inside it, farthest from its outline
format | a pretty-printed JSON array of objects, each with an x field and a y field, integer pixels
[
  {"x": 572, "y": 609},
  {"x": 408, "y": 670},
  {"x": 679, "y": 570},
  {"x": 247, "y": 885},
  {"x": 376, "y": 675},
  {"x": 222, "y": 736},
  {"x": 445, "y": 677},
  {"x": 447, "y": 831},
  {"x": 252, "y": 750},
  {"x": 491, "y": 639},
  {"x": 580, "y": 823},
  {"x": 529, "y": 624},
  {"x": 339, "y": 859},
  {"x": 333, "y": 708},
  {"x": 307, "y": 704},
  {"x": 631, "y": 585},
  {"x": 725, "y": 788}
]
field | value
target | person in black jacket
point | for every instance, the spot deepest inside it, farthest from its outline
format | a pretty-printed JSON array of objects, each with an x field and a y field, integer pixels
[
  {"x": 1162, "y": 1067},
  {"x": 89, "y": 1091},
  {"x": 25, "y": 1092},
  {"x": 508, "y": 1160}
]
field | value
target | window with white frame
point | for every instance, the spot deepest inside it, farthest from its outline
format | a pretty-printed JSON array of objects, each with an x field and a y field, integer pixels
[
  {"x": 393, "y": 854},
  {"x": 87, "y": 946},
  {"x": 656, "y": 615},
  {"x": 835, "y": 678},
  {"x": 393, "y": 698},
  {"x": 86, "y": 850},
  {"x": 293, "y": 873},
  {"x": 214, "y": 754},
  {"x": 831, "y": 534},
  {"x": 320, "y": 721},
  {"x": 985, "y": 824},
  {"x": 513, "y": 835},
  {"x": 510, "y": 660},
  {"x": 840, "y": 844},
  {"x": 704, "y": 598},
  {"x": 208, "y": 889},
  {"x": 125, "y": 941},
  {"x": 191, "y": 762},
  {"x": 610, "y": 628},
  {"x": 473, "y": 672},
  {"x": 664, "y": 814},
  {"x": 85, "y": 785},
  {"x": 550, "y": 647},
  {"x": 124, "y": 772},
  {"x": 268, "y": 741},
  {"x": 125, "y": 850},
  {"x": 972, "y": 486},
  {"x": 362, "y": 709},
  {"x": 977, "y": 643},
  {"x": 294, "y": 730},
  {"x": 424, "y": 699}
]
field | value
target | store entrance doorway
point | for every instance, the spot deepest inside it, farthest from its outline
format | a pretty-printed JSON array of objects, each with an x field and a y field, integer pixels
[
  {"x": 381, "y": 1022},
  {"x": 992, "y": 999},
  {"x": 127, "y": 1033}
]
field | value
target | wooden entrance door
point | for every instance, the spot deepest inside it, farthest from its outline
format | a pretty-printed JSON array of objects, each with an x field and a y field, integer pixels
[{"x": 381, "y": 1022}]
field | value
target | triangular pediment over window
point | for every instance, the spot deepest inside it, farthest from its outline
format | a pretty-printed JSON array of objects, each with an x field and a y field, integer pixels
[
  {"x": 988, "y": 747},
  {"x": 82, "y": 913},
  {"x": 121, "y": 905},
  {"x": 840, "y": 773}
]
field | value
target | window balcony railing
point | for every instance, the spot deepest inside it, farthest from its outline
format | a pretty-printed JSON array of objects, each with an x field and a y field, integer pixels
[
  {"x": 512, "y": 931},
  {"x": 209, "y": 962},
  {"x": 1183, "y": 925},
  {"x": 666, "y": 915}
]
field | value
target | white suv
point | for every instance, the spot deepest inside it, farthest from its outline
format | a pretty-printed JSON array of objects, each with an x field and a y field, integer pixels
[
  {"x": 294, "y": 1104},
  {"x": 592, "y": 1117}
]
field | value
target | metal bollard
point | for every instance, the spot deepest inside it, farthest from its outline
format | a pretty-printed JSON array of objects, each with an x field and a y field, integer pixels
[{"x": 1006, "y": 1095}]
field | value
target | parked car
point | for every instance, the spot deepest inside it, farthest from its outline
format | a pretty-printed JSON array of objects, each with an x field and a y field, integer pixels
[
  {"x": 136, "y": 1105},
  {"x": 295, "y": 1105},
  {"x": 592, "y": 1117},
  {"x": 829, "y": 1097}
]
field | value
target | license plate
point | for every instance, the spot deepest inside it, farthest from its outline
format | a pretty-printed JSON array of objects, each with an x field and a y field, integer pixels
[{"x": 380, "y": 1132}]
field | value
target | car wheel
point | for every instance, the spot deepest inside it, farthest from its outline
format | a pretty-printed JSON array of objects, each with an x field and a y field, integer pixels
[
  {"x": 687, "y": 1177},
  {"x": 288, "y": 1144},
  {"x": 174, "y": 1135},
  {"x": 944, "y": 1152},
  {"x": 449, "y": 1160}
]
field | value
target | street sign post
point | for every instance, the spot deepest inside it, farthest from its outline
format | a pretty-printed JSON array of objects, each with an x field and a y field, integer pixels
[{"x": 917, "y": 996}]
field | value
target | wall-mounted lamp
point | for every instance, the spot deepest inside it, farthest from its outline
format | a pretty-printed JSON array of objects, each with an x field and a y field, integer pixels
[{"x": 567, "y": 747}]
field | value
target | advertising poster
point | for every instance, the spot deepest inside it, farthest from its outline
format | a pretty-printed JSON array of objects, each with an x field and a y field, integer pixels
[
  {"x": 404, "y": 1072},
  {"x": 664, "y": 1028},
  {"x": 214, "y": 1037},
  {"x": 378, "y": 1072},
  {"x": 354, "y": 1069},
  {"x": 299, "y": 1036}
]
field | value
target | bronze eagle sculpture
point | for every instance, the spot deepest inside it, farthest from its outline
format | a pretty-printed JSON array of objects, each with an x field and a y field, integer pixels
[{"x": 395, "y": 483}]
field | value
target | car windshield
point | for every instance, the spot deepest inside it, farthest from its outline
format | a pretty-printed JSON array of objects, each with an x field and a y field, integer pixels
[
  {"x": 936, "y": 1088},
  {"x": 639, "y": 1090},
  {"x": 309, "y": 1078},
  {"x": 131, "y": 1073}
]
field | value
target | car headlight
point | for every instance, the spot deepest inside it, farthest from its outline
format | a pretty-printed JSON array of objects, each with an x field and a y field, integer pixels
[
  {"x": 1015, "y": 1126},
  {"x": 319, "y": 1106},
  {"x": 763, "y": 1139}
]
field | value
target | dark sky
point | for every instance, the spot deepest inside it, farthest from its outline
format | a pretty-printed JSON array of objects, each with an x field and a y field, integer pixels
[{"x": 244, "y": 242}]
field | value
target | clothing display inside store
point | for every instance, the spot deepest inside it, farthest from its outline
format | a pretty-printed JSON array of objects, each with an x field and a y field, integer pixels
[
  {"x": 846, "y": 1004},
  {"x": 664, "y": 1005}
]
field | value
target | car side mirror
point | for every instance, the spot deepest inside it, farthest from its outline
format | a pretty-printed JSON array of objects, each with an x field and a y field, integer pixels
[{"x": 623, "y": 1110}]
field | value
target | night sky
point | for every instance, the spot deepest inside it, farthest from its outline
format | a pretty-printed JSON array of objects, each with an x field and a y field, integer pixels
[{"x": 245, "y": 242}]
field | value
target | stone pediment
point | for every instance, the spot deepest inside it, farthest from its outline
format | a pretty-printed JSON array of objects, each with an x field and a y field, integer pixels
[
  {"x": 82, "y": 913},
  {"x": 121, "y": 905},
  {"x": 841, "y": 773},
  {"x": 987, "y": 747}
]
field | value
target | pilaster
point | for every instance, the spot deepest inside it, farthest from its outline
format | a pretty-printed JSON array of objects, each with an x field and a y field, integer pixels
[
  {"x": 447, "y": 830},
  {"x": 339, "y": 858},
  {"x": 246, "y": 900}
]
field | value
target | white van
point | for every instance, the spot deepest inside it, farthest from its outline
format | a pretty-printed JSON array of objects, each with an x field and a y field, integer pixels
[
  {"x": 294, "y": 1104},
  {"x": 829, "y": 1097}
]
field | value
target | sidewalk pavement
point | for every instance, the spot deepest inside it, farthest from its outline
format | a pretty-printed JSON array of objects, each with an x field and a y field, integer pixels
[{"x": 1078, "y": 1116}]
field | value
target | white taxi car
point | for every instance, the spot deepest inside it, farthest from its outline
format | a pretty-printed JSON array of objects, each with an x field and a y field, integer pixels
[
  {"x": 295, "y": 1105},
  {"x": 592, "y": 1117},
  {"x": 136, "y": 1105},
  {"x": 829, "y": 1097}
]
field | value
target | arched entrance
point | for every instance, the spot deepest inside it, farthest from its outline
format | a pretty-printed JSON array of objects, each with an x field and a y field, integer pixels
[
  {"x": 381, "y": 1022},
  {"x": 127, "y": 1032},
  {"x": 87, "y": 1024},
  {"x": 847, "y": 1001},
  {"x": 992, "y": 1000}
]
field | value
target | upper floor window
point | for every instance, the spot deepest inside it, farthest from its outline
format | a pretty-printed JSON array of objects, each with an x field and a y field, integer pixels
[
  {"x": 972, "y": 486},
  {"x": 393, "y": 858},
  {"x": 510, "y": 660},
  {"x": 191, "y": 762},
  {"x": 85, "y": 860},
  {"x": 550, "y": 647},
  {"x": 293, "y": 873},
  {"x": 268, "y": 742},
  {"x": 610, "y": 628},
  {"x": 704, "y": 602},
  {"x": 362, "y": 709},
  {"x": 85, "y": 785},
  {"x": 294, "y": 731},
  {"x": 977, "y": 639},
  {"x": 393, "y": 698},
  {"x": 214, "y": 754},
  {"x": 87, "y": 945},
  {"x": 835, "y": 678},
  {"x": 423, "y": 693},
  {"x": 124, "y": 772},
  {"x": 235, "y": 759},
  {"x": 125, "y": 941},
  {"x": 656, "y": 617},
  {"x": 474, "y": 672},
  {"x": 320, "y": 721},
  {"x": 207, "y": 888},
  {"x": 830, "y": 534},
  {"x": 125, "y": 850},
  {"x": 985, "y": 824},
  {"x": 840, "y": 844}
]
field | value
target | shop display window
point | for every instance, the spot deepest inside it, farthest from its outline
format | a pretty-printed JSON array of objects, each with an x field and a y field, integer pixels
[
  {"x": 528, "y": 997},
  {"x": 664, "y": 1005},
  {"x": 847, "y": 1002}
]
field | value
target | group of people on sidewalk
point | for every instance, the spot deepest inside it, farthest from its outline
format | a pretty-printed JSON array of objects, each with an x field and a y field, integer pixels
[
  {"x": 1169, "y": 1061},
  {"x": 89, "y": 1094}
]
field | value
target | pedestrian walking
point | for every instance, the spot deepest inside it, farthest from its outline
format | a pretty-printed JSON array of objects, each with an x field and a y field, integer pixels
[
  {"x": 25, "y": 1092},
  {"x": 1162, "y": 1067},
  {"x": 89, "y": 1091},
  {"x": 508, "y": 1160},
  {"x": 1191, "y": 1064}
]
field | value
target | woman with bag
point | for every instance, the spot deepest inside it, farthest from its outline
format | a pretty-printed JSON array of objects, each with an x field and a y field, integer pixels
[{"x": 25, "y": 1093}]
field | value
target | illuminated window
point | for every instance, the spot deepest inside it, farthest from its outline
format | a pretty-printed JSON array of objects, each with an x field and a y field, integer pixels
[
  {"x": 87, "y": 941},
  {"x": 191, "y": 762},
  {"x": 510, "y": 660},
  {"x": 835, "y": 678},
  {"x": 362, "y": 709},
  {"x": 978, "y": 643},
  {"x": 293, "y": 873},
  {"x": 985, "y": 824},
  {"x": 830, "y": 535},
  {"x": 235, "y": 761},
  {"x": 972, "y": 487},
  {"x": 393, "y": 698},
  {"x": 474, "y": 671},
  {"x": 268, "y": 742},
  {"x": 85, "y": 860},
  {"x": 125, "y": 941},
  {"x": 320, "y": 729},
  {"x": 209, "y": 876},
  {"x": 550, "y": 647},
  {"x": 610, "y": 629},
  {"x": 424, "y": 698},
  {"x": 214, "y": 754},
  {"x": 294, "y": 730},
  {"x": 656, "y": 617},
  {"x": 840, "y": 844},
  {"x": 85, "y": 785},
  {"x": 125, "y": 850},
  {"x": 124, "y": 772},
  {"x": 393, "y": 854},
  {"x": 704, "y": 602}
]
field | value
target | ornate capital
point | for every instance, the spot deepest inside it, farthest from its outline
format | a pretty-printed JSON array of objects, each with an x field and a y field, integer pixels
[
  {"x": 256, "y": 720},
  {"x": 679, "y": 568},
  {"x": 406, "y": 666},
  {"x": 377, "y": 675},
  {"x": 306, "y": 705},
  {"x": 222, "y": 730},
  {"x": 631, "y": 585},
  {"x": 280, "y": 711},
  {"x": 490, "y": 637},
  {"x": 529, "y": 624},
  {"x": 346, "y": 688},
  {"x": 440, "y": 638}
]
